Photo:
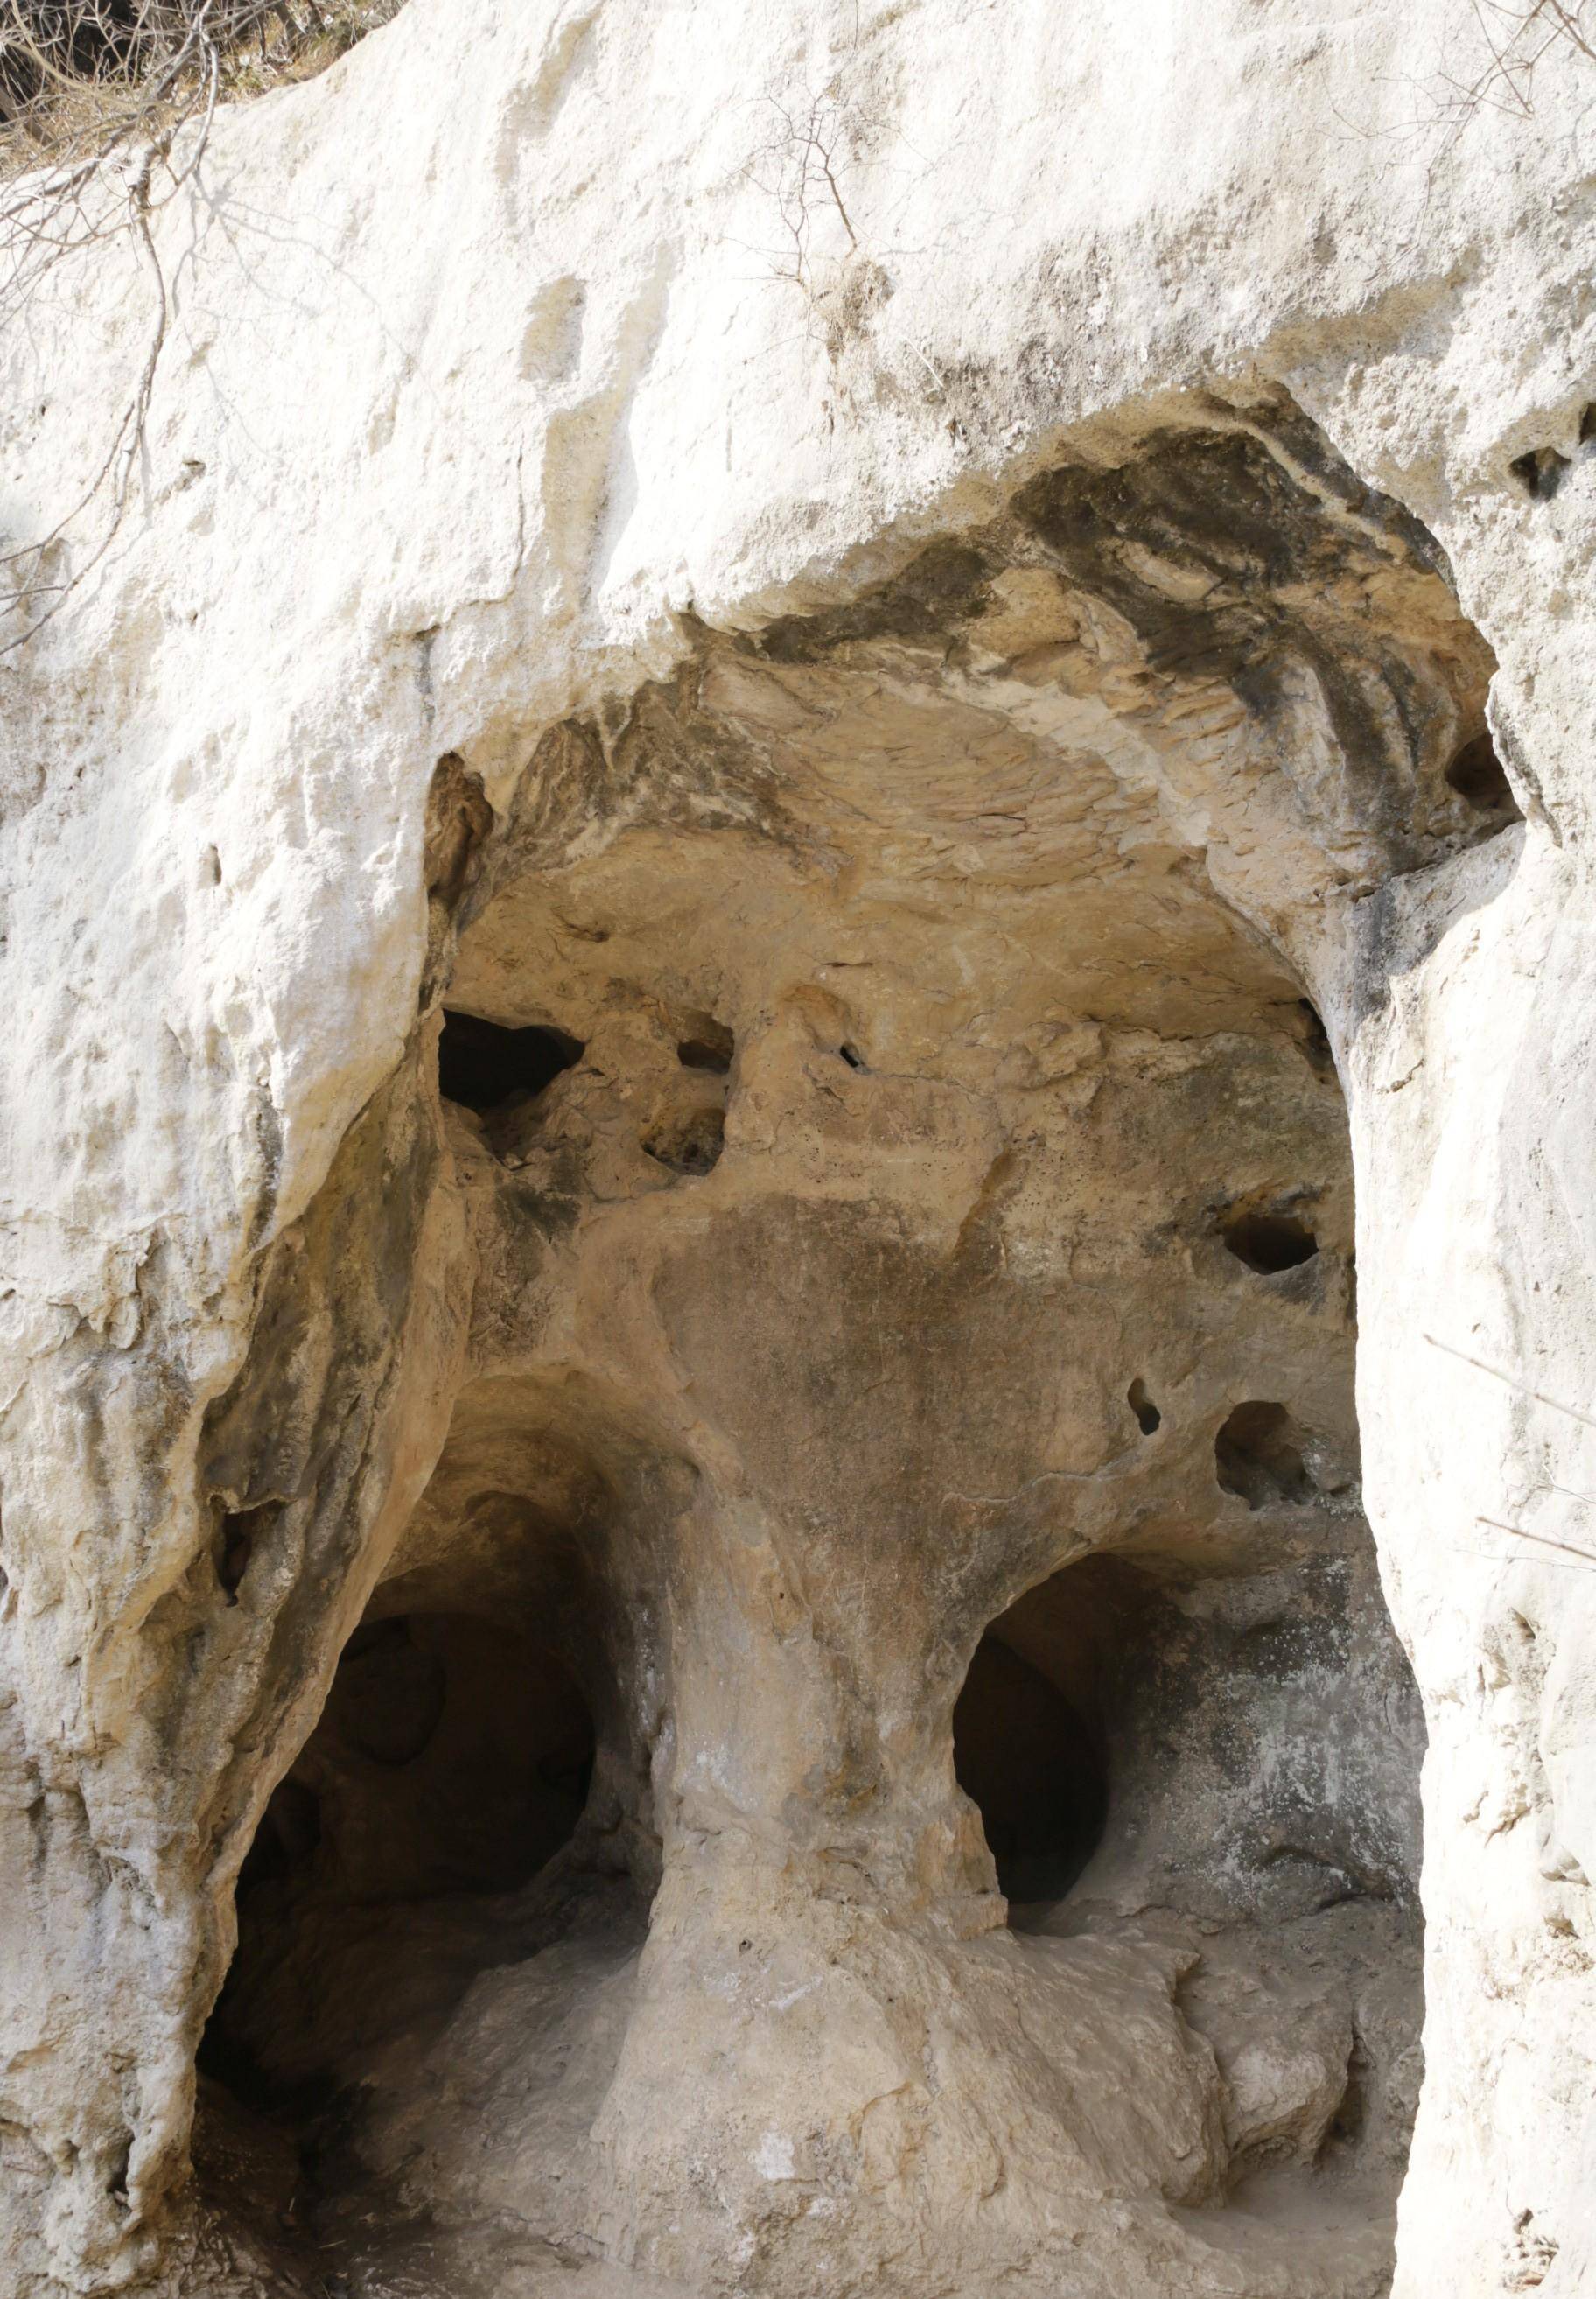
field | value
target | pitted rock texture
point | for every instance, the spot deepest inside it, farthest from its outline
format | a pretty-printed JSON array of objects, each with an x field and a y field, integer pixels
[
  {"x": 756, "y": 1454},
  {"x": 796, "y": 1166}
]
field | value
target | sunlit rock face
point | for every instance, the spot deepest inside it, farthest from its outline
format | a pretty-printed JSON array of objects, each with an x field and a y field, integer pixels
[{"x": 797, "y": 1158}]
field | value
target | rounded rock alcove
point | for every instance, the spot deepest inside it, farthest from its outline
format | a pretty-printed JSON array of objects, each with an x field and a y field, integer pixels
[
  {"x": 452, "y": 1761},
  {"x": 1220, "y": 1757}
]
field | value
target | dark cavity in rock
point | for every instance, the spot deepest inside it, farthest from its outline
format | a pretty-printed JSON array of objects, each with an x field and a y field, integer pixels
[
  {"x": 1539, "y": 473},
  {"x": 709, "y": 1046},
  {"x": 1480, "y": 779},
  {"x": 690, "y": 1143},
  {"x": 1148, "y": 1417},
  {"x": 1267, "y": 1242},
  {"x": 1259, "y": 1455},
  {"x": 482, "y": 1065},
  {"x": 1025, "y": 1758}
]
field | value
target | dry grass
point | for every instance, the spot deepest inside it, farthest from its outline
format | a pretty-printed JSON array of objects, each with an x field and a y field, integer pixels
[{"x": 79, "y": 75}]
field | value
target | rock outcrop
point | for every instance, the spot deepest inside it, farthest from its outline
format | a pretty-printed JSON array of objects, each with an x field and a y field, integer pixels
[{"x": 797, "y": 1163}]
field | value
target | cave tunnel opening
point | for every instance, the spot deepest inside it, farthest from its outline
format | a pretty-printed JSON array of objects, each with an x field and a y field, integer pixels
[
  {"x": 484, "y": 1064},
  {"x": 452, "y": 1761},
  {"x": 1268, "y": 1239},
  {"x": 1480, "y": 780},
  {"x": 1191, "y": 1725},
  {"x": 1033, "y": 1766}
]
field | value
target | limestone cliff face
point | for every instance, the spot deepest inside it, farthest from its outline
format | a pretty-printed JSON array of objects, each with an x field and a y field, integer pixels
[{"x": 797, "y": 1176}]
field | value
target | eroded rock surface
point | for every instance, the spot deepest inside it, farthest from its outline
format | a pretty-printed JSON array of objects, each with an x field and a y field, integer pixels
[{"x": 682, "y": 1465}]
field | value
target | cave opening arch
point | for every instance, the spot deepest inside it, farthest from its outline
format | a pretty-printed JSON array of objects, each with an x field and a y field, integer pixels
[
  {"x": 1020, "y": 682},
  {"x": 451, "y": 1763}
]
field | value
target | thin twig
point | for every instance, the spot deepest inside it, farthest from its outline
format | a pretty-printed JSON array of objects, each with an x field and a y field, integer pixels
[
  {"x": 96, "y": 98},
  {"x": 799, "y": 164},
  {"x": 1511, "y": 1381},
  {"x": 1523, "y": 1533}
]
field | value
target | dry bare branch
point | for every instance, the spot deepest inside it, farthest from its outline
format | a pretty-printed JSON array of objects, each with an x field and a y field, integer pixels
[
  {"x": 798, "y": 168},
  {"x": 106, "y": 110},
  {"x": 1519, "y": 36}
]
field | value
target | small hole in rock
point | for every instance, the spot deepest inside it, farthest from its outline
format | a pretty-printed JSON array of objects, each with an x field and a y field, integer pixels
[
  {"x": 1147, "y": 1415},
  {"x": 1268, "y": 1242},
  {"x": 1315, "y": 1039},
  {"x": 1587, "y": 425},
  {"x": 709, "y": 1047},
  {"x": 1539, "y": 473},
  {"x": 1348, "y": 2123},
  {"x": 234, "y": 1546},
  {"x": 1259, "y": 1455},
  {"x": 851, "y": 1055},
  {"x": 116, "y": 2186},
  {"x": 1479, "y": 778},
  {"x": 690, "y": 1143},
  {"x": 482, "y": 1065}
]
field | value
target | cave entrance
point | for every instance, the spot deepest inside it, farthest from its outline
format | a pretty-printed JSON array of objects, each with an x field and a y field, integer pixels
[
  {"x": 1189, "y": 1728},
  {"x": 450, "y": 1763},
  {"x": 1034, "y": 1767},
  {"x": 485, "y": 1066}
]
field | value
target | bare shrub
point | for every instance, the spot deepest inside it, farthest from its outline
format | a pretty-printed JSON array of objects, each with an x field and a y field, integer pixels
[
  {"x": 1496, "y": 50},
  {"x": 797, "y": 168},
  {"x": 1518, "y": 35}
]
